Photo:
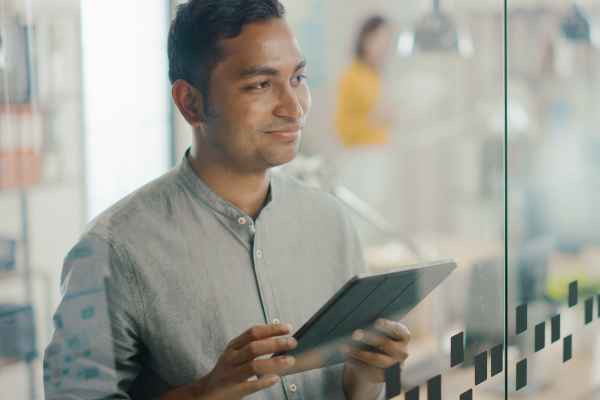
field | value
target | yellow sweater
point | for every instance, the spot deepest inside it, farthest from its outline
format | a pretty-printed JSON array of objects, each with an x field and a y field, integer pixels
[{"x": 360, "y": 89}]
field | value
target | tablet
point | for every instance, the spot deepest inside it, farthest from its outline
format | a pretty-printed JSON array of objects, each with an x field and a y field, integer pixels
[{"x": 389, "y": 293}]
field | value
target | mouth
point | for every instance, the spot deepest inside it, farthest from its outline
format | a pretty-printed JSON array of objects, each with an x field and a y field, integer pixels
[{"x": 286, "y": 132}]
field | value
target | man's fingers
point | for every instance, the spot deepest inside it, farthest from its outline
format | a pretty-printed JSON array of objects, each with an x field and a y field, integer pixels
[
  {"x": 394, "y": 348},
  {"x": 381, "y": 342},
  {"x": 393, "y": 329},
  {"x": 373, "y": 358},
  {"x": 261, "y": 367},
  {"x": 259, "y": 332},
  {"x": 262, "y": 347}
]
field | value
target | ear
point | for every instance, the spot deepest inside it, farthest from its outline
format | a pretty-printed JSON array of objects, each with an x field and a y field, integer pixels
[{"x": 189, "y": 102}]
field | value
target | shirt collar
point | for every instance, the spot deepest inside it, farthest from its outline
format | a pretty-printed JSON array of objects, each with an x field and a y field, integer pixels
[{"x": 213, "y": 200}]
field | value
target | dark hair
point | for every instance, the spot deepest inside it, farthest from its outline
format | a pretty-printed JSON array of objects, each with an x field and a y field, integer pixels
[
  {"x": 370, "y": 26},
  {"x": 193, "y": 45}
]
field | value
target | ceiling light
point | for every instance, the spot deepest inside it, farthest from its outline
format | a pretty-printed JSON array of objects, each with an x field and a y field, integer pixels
[
  {"x": 436, "y": 32},
  {"x": 581, "y": 25}
]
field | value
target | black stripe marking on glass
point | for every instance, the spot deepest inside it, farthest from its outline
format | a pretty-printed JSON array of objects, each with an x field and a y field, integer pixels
[
  {"x": 497, "y": 360},
  {"x": 555, "y": 325},
  {"x": 468, "y": 395},
  {"x": 434, "y": 388},
  {"x": 457, "y": 349},
  {"x": 589, "y": 309},
  {"x": 480, "y": 368},
  {"x": 521, "y": 374},
  {"x": 412, "y": 394},
  {"x": 521, "y": 318},
  {"x": 392, "y": 381},
  {"x": 572, "y": 293},
  {"x": 567, "y": 348},
  {"x": 540, "y": 336}
]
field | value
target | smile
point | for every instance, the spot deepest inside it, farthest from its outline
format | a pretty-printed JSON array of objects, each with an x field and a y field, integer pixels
[{"x": 287, "y": 133}]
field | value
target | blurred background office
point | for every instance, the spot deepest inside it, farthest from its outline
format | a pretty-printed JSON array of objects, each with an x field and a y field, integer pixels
[{"x": 86, "y": 118}]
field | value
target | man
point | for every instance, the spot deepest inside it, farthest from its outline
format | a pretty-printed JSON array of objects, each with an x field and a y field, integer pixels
[{"x": 207, "y": 267}]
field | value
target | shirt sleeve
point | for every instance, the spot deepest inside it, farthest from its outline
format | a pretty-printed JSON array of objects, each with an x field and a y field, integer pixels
[
  {"x": 94, "y": 350},
  {"x": 356, "y": 257}
]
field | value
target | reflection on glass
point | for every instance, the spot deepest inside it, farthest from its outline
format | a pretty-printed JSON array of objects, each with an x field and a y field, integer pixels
[
  {"x": 17, "y": 332},
  {"x": 41, "y": 196},
  {"x": 80, "y": 357}
]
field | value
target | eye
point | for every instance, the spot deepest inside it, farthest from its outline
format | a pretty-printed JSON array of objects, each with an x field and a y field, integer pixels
[
  {"x": 300, "y": 78},
  {"x": 260, "y": 85}
]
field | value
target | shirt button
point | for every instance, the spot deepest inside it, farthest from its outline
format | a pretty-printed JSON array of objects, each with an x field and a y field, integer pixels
[
  {"x": 241, "y": 220},
  {"x": 258, "y": 254},
  {"x": 275, "y": 320},
  {"x": 293, "y": 388}
]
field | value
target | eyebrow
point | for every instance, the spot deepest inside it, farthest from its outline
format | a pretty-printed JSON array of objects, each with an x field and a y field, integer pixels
[{"x": 257, "y": 71}]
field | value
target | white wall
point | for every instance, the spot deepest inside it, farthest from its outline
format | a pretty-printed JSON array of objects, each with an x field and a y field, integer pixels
[{"x": 127, "y": 115}]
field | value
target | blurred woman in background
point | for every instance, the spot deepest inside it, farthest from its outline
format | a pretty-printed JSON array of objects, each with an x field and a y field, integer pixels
[
  {"x": 363, "y": 122},
  {"x": 362, "y": 118}
]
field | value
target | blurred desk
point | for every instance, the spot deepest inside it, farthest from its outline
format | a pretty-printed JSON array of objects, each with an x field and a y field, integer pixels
[
  {"x": 572, "y": 380},
  {"x": 564, "y": 268},
  {"x": 465, "y": 252}
]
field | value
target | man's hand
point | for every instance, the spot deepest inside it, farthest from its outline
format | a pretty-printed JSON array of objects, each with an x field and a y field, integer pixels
[
  {"x": 238, "y": 362},
  {"x": 229, "y": 378},
  {"x": 369, "y": 366}
]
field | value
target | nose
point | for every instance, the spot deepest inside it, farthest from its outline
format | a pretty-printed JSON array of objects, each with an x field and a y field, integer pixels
[{"x": 289, "y": 105}]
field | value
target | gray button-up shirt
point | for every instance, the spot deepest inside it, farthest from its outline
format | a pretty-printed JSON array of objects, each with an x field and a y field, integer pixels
[{"x": 162, "y": 281}]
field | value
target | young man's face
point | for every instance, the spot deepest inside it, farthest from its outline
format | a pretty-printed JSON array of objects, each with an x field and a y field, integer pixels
[{"x": 258, "y": 98}]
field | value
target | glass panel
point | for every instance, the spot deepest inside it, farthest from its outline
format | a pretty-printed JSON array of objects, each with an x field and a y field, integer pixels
[
  {"x": 411, "y": 144},
  {"x": 553, "y": 180},
  {"x": 41, "y": 179},
  {"x": 414, "y": 148},
  {"x": 42, "y": 190}
]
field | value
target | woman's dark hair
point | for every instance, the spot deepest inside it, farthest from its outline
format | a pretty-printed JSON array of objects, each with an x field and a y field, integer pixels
[
  {"x": 370, "y": 26},
  {"x": 193, "y": 45}
]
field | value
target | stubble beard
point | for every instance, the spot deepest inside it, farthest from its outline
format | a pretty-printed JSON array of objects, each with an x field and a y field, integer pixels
[{"x": 243, "y": 158}]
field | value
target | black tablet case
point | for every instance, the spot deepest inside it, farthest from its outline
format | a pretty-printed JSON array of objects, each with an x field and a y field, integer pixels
[{"x": 389, "y": 294}]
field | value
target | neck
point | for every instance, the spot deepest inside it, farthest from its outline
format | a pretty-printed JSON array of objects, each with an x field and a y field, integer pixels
[
  {"x": 245, "y": 190},
  {"x": 369, "y": 63}
]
